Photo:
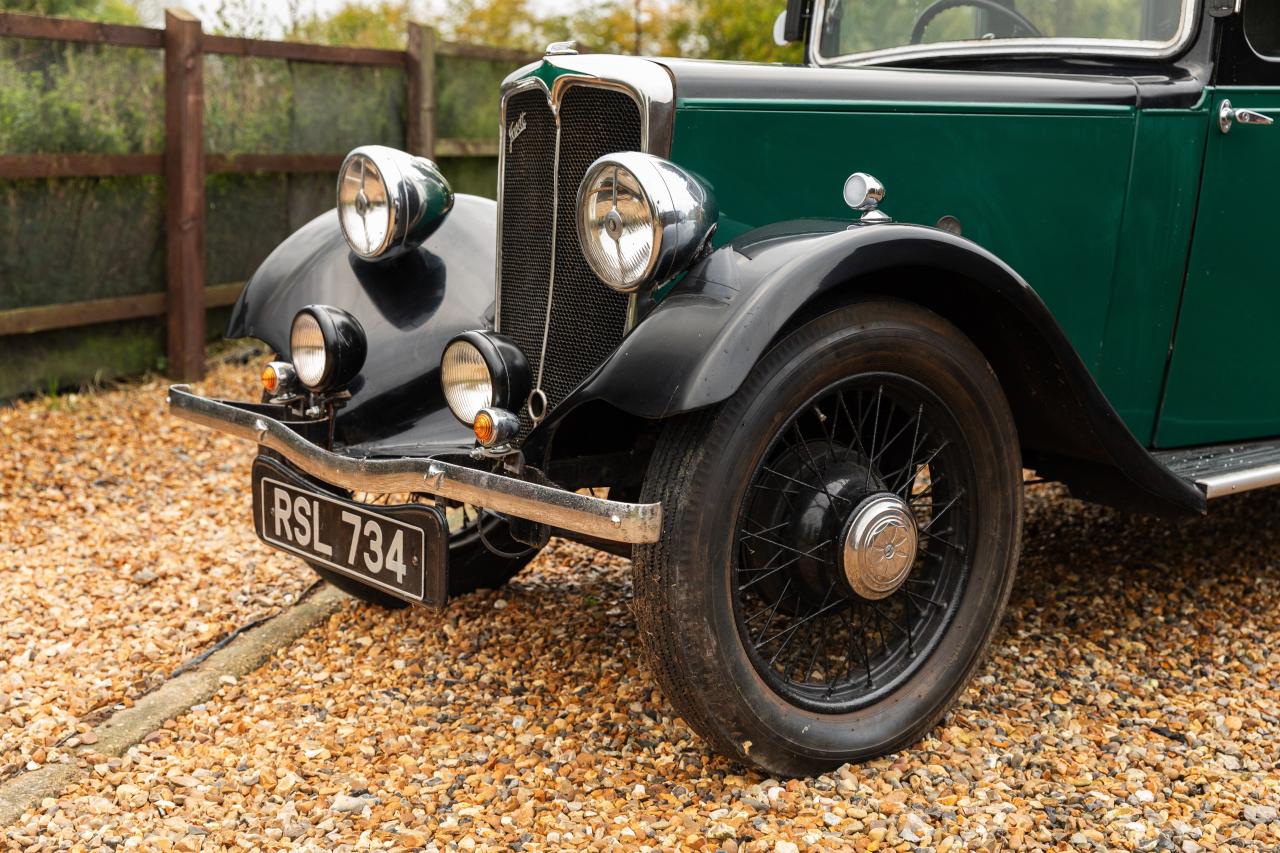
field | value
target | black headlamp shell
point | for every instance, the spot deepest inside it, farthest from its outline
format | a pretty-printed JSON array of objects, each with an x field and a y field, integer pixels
[
  {"x": 345, "y": 345},
  {"x": 508, "y": 368}
]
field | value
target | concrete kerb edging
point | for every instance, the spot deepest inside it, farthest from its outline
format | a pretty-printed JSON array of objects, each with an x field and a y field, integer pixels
[{"x": 128, "y": 727}]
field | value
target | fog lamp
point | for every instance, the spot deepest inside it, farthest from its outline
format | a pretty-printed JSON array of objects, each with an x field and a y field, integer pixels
[
  {"x": 327, "y": 346},
  {"x": 481, "y": 370}
]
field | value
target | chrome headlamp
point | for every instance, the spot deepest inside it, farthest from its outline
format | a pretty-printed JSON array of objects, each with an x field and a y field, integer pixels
[
  {"x": 641, "y": 219},
  {"x": 327, "y": 347},
  {"x": 389, "y": 201}
]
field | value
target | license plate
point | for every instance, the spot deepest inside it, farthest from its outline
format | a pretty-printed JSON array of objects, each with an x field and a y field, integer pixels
[{"x": 402, "y": 550}]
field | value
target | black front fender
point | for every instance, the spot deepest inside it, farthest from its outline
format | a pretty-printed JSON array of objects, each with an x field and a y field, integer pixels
[
  {"x": 695, "y": 348},
  {"x": 698, "y": 345},
  {"x": 409, "y": 306}
]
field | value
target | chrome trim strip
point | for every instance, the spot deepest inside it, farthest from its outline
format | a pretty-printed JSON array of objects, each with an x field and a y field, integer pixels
[
  {"x": 551, "y": 278},
  {"x": 647, "y": 82},
  {"x": 1236, "y": 482},
  {"x": 502, "y": 171},
  {"x": 612, "y": 520},
  {"x": 1009, "y": 47}
]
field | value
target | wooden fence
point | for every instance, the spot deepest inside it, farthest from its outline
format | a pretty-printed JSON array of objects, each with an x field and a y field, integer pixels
[{"x": 184, "y": 163}]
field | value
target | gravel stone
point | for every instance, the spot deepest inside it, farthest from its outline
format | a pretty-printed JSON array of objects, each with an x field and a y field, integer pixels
[
  {"x": 345, "y": 804},
  {"x": 1260, "y": 814}
]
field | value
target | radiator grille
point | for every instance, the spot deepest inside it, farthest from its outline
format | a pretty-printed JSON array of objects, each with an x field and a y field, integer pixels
[{"x": 587, "y": 318}]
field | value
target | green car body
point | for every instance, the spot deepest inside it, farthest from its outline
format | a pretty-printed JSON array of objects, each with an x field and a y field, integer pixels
[
  {"x": 1108, "y": 260},
  {"x": 1096, "y": 206}
]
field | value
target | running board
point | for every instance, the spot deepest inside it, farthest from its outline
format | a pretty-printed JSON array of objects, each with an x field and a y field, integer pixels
[{"x": 1227, "y": 469}]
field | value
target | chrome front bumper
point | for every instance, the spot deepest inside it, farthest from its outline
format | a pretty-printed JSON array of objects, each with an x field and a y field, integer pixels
[{"x": 604, "y": 519}]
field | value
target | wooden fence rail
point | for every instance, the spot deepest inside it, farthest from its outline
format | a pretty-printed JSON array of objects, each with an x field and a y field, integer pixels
[{"x": 184, "y": 163}]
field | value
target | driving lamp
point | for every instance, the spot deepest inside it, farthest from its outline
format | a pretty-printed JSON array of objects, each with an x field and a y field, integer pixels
[
  {"x": 327, "y": 346},
  {"x": 389, "y": 201},
  {"x": 481, "y": 370},
  {"x": 642, "y": 219}
]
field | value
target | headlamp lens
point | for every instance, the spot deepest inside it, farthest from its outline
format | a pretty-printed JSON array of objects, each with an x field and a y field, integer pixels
[
  {"x": 307, "y": 350},
  {"x": 616, "y": 222},
  {"x": 364, "y": 206},
  {"x": 468, "y": 387}
]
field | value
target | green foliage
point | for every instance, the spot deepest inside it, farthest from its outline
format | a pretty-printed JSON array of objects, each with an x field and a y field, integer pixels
[
  {"x": 716, "y": 29},
  {"x": 272, "y": 105},
  {"x": 513, "y": 23},
  {"x": 244, "y": 18},
  {"x": 467, "y": 97},
  {"x": 108, "y": 11},
  {"x": 475, "y": 175},
  {"x": 383, "y": 24},
  {"x": 618, "y": 26},
  {"x": 62, "y": 97},
  {"x": 337, "y": 107},
  {"x": 62, "y": 359},
  {"x": 68, "y": 239},
  {"x": 248, "y": 104},
  {"x": 731, "y": 29}
]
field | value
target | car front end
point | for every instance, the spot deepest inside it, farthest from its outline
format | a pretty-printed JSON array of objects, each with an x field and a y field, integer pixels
[{"x": 454, "y": 402}]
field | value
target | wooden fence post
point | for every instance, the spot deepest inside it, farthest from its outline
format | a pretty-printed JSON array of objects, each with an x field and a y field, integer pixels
[
  {"x": 184, "y": 190},
  {"x": 421, "y": 78}
]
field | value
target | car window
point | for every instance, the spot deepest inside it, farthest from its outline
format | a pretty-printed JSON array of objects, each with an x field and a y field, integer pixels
[
  {"x": 864, "y": 26},
  {"x": 1262, "y": 26}
]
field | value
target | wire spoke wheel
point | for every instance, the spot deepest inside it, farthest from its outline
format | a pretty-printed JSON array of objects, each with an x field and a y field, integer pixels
[
  {"x": 839, "y": 538},
  {"x": 850, "y": 553}
]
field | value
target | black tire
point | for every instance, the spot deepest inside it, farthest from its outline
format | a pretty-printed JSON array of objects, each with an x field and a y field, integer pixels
[
  {"x": 472, "y": 566},
  {"x": 692, "y": 586}
]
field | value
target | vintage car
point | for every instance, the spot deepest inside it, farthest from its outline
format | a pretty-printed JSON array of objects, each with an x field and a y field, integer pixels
[{"x": 693, "y": 331}]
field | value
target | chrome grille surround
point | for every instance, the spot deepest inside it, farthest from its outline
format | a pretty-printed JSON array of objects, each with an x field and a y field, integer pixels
[{"x": 555, "y": 357}]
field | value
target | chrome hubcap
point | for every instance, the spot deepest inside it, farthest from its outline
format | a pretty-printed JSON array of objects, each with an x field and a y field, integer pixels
[{"x": 880, "y": 545}]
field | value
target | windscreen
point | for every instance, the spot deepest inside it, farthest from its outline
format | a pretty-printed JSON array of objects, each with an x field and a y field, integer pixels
[{"x": 858, "y": 27}]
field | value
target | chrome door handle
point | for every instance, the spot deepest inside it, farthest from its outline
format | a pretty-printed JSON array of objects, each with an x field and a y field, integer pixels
[{"x": 1229, "y": 115}]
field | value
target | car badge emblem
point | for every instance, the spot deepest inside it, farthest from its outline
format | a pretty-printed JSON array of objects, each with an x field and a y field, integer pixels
[{"x": 514, "y": 130}]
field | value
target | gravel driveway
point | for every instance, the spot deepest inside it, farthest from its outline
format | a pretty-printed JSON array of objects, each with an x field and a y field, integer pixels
[
  {"x": 125, "y": 550},
  {"x": 1130, "y": 702}
]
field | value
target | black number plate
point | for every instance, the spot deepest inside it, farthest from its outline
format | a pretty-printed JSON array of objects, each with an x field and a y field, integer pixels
[{"x": 401, "y": 550}]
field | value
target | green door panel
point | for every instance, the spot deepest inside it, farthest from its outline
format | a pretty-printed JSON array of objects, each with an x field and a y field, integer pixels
[
  {"x": 1151, "y": 262},
  {"x": 1042, "y": 187},
  {"x": 1223, "y": 383}
]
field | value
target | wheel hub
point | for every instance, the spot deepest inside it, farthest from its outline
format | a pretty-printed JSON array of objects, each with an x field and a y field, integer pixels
[
  {"x": 809, "y": 521},
  {"x": 880, "y": 545}
]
